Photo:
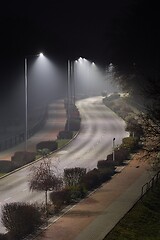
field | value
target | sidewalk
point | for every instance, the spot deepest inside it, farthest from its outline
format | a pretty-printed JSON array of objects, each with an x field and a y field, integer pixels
[
  {"x": 55, "y": 123},
  {"x": 96, "y": 215}
]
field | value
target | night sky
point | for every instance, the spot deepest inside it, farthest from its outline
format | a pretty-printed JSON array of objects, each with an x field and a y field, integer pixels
[
  {"x": 122, "y": 32},
  {"x": 63, "y": 29}
]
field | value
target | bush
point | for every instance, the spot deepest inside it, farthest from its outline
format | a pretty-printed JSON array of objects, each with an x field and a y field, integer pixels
[
  {"x": 134, "y": 128},
  {"x": 73, "y": 176},
  {"x": 110, "y": 158},
  {"x": 106, "y": 173},
  {"x": 91, "y": 180},
  {"x": 59, "y": 198},
  {"x": 130, "y": 143},
  {"x": 21, "y": 219},
  {"x": 3, "y": 236},
  {"x": 21, "y": 158},
  {"x": 6, "y": 166},
  {"x": 74, "y": 124},
  {"x": 65, "y": 135},
  {"x": 77, "y": 192},
  {"x": 105, "y": 164},
  {"x": 51, "y": 145},
  {"x": 121, "y": 154}
]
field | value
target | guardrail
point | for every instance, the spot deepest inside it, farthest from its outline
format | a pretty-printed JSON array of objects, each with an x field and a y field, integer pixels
[
  {"x": 150, "y": 184},
  {"x": 20, "y": 137}
]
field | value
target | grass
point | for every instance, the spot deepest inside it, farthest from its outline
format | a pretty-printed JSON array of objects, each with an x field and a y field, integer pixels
[
  {"x": 1, "y": 174},
  {"x": 142, "y": 222},
  {"x": 62, "y": 142}
]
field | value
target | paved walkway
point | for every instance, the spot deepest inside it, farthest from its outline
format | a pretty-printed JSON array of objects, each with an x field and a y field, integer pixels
[
  {"x": 95, "y": 216},
  {"x": 55, "y": 122}
]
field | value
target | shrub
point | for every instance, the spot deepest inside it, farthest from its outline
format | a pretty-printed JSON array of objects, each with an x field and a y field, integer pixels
[
  {"x": 6, "y": 166},
  {"x": 59, "y": 198},
  {"x": 105, "y": 164},
  {"x": 106, "y": 173},
  {"x": 77, "y": 192},
  {"x": 134, "y": 128},
  {"x": 121, "y": 154},
  {"x": 130, "y": 143},
  {"x": 21, "y": 158},
  {"x": 3, "y": 236},
  {"x": 91, "y": 180},
  {"x": 51, "y": 145},
  {"x": 73, "y": 176},
  {"x": 110, "y": 158},
  {"x": 65, "y": 135},
  {"x": 21, "y": 219},
  {"x": 74, "y": 124}
]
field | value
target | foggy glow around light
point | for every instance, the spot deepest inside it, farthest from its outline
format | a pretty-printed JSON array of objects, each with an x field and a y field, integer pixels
[{"x": 41, "y": 55}]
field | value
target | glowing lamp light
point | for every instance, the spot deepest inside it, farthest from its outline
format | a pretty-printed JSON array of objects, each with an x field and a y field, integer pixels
[{"x": 41, "y": 55}]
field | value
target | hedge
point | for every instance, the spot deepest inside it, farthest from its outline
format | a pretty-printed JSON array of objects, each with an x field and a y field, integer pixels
[
  {"x": 74, "y": 124},
  {"x": 21, "y": 158},
  {"x": 65, "y": 135},
  {"x": 105, "y": 164},
  {"x": 6, "y": 166},
  {"x": 51, "y": 145},
  {"x": 130, "y": 143}
]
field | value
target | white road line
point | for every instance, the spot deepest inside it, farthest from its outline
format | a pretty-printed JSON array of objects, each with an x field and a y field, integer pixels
[{"x": 5, "y": 200}]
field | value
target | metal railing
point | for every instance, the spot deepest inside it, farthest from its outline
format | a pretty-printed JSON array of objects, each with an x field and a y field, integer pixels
[
  {"x": 149, "y": 185},
  {"x": 20, "y": 137}
]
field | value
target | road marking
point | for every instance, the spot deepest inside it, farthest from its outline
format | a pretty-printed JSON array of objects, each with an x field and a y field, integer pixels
[
  {"x": 62, "y": 152},
  {"x": 5, "y": 200}
]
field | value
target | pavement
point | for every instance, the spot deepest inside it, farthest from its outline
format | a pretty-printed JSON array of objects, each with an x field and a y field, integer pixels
[
  {"x": 55, "y": 122},
  {"x": 95, "y": 216}
]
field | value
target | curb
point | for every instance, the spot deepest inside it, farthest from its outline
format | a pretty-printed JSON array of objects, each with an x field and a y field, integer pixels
[{"x": 31, "y": 163}]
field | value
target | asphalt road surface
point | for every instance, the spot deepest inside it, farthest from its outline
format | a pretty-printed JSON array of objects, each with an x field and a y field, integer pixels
[{"x": 94, "y": 142}]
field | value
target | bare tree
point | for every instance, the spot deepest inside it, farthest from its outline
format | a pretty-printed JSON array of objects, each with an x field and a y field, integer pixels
[
  {"x": 150, "y": 120},
  {"x": 43, "y": 178}
]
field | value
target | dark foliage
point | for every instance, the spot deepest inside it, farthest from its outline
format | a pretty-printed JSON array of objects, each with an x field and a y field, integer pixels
[
  {"x": 65, "y": 135},
  {"x": 130, "y": 143},
  {"x": 73, "y": 176},
  {"x": 91, "y": 180},
  {"x": 21, "y": 158},
  {"x": 6, "y": 166},
  {"x": 3, "y": 237},
  {"x": 51, "y": 145},
  {"x": 21, "y": 219},
  {"x": 73, "y": 124},
  {"x": 105, "y": 164}
]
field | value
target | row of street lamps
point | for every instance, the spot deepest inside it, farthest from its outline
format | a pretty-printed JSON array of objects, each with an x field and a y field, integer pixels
[{"x": 70, "y": 89}]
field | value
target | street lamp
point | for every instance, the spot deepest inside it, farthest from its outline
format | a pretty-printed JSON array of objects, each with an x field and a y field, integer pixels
[
  {"x": 114, "y": 149},
  {"x": 26, "y": 95}
]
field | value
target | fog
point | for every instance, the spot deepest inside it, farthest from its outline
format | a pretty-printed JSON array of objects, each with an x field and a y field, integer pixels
[{"x": 46, "y": 82}]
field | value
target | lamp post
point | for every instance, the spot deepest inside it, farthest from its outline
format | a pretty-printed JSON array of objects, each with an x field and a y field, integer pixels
[
  {"x": 114, "y": 149},
  {"x": 26, "y": 95}
]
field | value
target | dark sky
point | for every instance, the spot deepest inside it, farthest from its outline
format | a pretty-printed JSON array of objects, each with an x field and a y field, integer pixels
[
  {"x": 64, "y": 29},
  {"x": 124, "y": 32}
]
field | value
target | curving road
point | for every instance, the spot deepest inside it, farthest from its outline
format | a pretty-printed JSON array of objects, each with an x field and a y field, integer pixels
[{"x": 94, "y": 142}]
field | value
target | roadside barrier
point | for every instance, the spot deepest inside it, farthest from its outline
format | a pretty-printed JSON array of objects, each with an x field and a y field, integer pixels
[{"x": 149, "y": 185}]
